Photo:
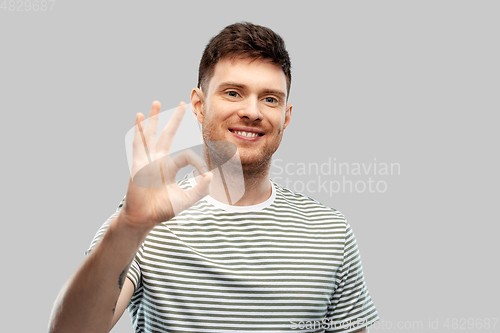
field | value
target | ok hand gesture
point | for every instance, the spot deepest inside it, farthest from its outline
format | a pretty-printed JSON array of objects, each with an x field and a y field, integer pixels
[{"x": 153, "y": 196}]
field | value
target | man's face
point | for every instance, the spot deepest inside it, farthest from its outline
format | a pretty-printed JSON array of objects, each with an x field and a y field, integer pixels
[{"x": 245, "y": 104}]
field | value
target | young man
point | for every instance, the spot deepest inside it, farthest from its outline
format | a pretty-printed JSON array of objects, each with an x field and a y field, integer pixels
[{"x": 183, "y": 257}]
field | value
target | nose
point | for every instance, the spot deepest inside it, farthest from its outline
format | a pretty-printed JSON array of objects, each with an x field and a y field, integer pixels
[{"x": 250, "y": 110}]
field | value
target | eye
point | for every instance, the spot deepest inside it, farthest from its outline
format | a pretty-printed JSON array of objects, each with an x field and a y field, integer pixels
[
  {"x": 271, "y": 100},
  {"x": 232, "y": 93}
]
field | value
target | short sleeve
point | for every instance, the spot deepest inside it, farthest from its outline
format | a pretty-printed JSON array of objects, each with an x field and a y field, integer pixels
[
  {"x": 351, "y": 308},
  {"x": 134, "y": 273}
]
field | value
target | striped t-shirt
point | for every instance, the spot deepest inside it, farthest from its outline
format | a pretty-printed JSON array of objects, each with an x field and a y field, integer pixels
[{"x": 287, "y": 264}]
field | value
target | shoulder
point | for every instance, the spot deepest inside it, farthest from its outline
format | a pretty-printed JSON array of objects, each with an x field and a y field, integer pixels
[{"x": 303, "y": 204}]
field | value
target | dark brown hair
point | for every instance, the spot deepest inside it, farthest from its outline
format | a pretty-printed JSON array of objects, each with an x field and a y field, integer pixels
[{"x": 245, "y": 40}]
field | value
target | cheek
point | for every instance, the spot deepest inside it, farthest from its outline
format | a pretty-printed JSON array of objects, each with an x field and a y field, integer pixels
[
  {"x": 216, "y": 112},
  {"x": 279, "y": 123}
]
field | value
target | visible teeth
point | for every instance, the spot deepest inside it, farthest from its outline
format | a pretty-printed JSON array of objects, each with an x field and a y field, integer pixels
[{"x": 247, "y": 134}]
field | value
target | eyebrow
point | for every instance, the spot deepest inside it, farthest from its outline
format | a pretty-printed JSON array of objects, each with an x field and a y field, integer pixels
[{"x": 230, "y": 84}]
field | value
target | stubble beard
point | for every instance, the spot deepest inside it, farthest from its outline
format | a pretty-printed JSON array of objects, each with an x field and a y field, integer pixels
[
  {"x": 236, "y": 174},
  {"x": 218, "y": 151}
]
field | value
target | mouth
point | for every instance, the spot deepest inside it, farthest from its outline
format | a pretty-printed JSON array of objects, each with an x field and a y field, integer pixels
[{"x": 246, "y": 133}]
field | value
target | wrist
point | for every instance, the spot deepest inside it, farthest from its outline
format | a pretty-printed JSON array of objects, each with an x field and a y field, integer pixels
[{"x": 126, "y": 229}]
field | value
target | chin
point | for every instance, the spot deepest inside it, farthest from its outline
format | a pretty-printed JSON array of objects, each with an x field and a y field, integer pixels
[{"x": 254, "y": 162}]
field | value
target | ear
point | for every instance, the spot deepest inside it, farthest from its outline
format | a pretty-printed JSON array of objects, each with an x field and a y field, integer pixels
[
  {"x": 288, "y": 115},
  {"x": 198, "y": 103}
]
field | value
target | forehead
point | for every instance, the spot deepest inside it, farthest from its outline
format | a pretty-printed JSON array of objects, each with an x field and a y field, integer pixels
[{"x": 252, "y": 73}]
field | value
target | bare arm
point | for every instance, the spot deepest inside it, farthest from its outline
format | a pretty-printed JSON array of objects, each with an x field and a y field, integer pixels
[
  {"x": 123, "y": 300},
  {"x": 88, "y": 300},
  {"x": 93, "y": 299}
]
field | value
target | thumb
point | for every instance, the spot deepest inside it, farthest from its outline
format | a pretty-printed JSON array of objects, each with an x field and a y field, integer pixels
[
  {"x": 201, "y": 190},
  {"x": 198, "y": 192}
]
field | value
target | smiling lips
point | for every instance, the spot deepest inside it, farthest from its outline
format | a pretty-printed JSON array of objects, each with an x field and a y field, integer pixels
[{"x": 248, "y": 134}]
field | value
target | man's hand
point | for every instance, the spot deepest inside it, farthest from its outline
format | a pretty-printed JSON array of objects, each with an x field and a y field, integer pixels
[
  {"x": 88, "y": 300},
  {"x": 153, "y": 195}
]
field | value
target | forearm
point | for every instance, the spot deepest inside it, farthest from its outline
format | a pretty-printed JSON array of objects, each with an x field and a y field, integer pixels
[{"x": 87, "y": 300}]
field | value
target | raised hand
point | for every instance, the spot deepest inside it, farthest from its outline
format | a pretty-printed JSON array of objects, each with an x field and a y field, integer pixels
[{"x": 153, "y": 195}]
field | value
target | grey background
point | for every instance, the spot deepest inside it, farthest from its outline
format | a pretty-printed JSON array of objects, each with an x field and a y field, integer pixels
[{"x": 413, "y": 82}]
